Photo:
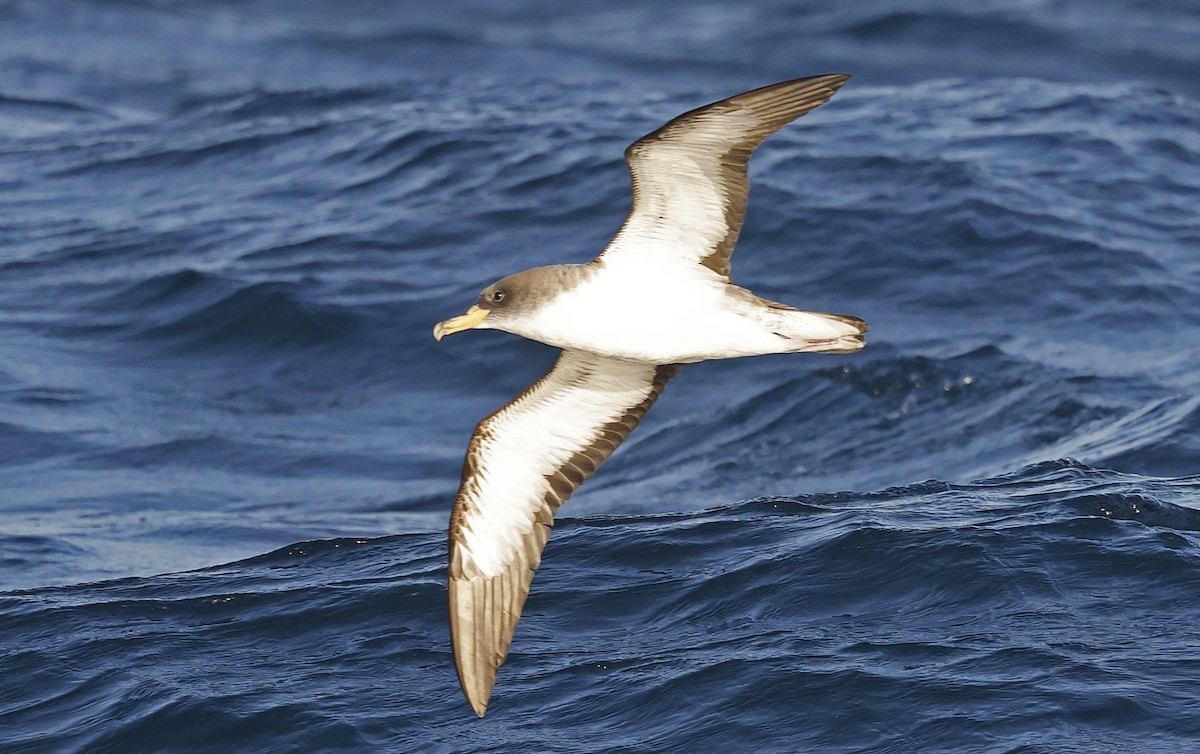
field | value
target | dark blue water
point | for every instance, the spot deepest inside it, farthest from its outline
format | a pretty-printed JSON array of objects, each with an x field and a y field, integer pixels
[{"x": 229, "y": 444}]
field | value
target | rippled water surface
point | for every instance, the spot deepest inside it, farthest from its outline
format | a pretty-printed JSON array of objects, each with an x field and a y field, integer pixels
[{"x": 229, "y": 444}]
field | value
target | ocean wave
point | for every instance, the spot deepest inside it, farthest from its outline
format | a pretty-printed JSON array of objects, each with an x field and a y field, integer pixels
[
  {"x": 227, "y": 231},
  {"x": 261, "y": 315},
  {"x": 931, "y": 592}
]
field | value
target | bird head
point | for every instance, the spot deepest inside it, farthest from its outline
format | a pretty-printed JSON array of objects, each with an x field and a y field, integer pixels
[{"x": 501, "y": 303}]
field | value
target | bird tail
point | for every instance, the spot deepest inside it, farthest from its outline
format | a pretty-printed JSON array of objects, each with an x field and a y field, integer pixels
[{"x": 817, "y": 332}]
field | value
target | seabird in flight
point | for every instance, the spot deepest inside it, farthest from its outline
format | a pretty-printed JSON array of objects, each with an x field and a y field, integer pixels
[{"x": 659, "y": 295}]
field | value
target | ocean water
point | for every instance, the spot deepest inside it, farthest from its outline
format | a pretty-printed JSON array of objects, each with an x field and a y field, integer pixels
[{"x": 229, "y": 443}]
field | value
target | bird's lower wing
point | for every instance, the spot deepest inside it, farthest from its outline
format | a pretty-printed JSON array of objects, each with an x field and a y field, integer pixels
[{"x": 523, "y": 462}]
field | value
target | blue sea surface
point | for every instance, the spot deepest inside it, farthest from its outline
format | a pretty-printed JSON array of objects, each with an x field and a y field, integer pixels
[{"x": 229, "y": 443}]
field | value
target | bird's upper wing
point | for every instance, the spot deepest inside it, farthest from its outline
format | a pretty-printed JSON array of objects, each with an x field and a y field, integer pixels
[
  {"x": 523, "y": 462},
  {"x": 689, "y": 177}
]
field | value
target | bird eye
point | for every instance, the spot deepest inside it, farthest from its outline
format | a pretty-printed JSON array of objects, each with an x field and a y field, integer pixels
[{"x": 498, "y": 296}]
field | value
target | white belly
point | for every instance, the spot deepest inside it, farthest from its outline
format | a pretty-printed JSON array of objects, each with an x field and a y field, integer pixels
[{"x": 654, "y": 316}]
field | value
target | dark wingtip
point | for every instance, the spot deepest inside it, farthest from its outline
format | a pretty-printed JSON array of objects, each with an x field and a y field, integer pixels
[{"x": 836, "y": 80}]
